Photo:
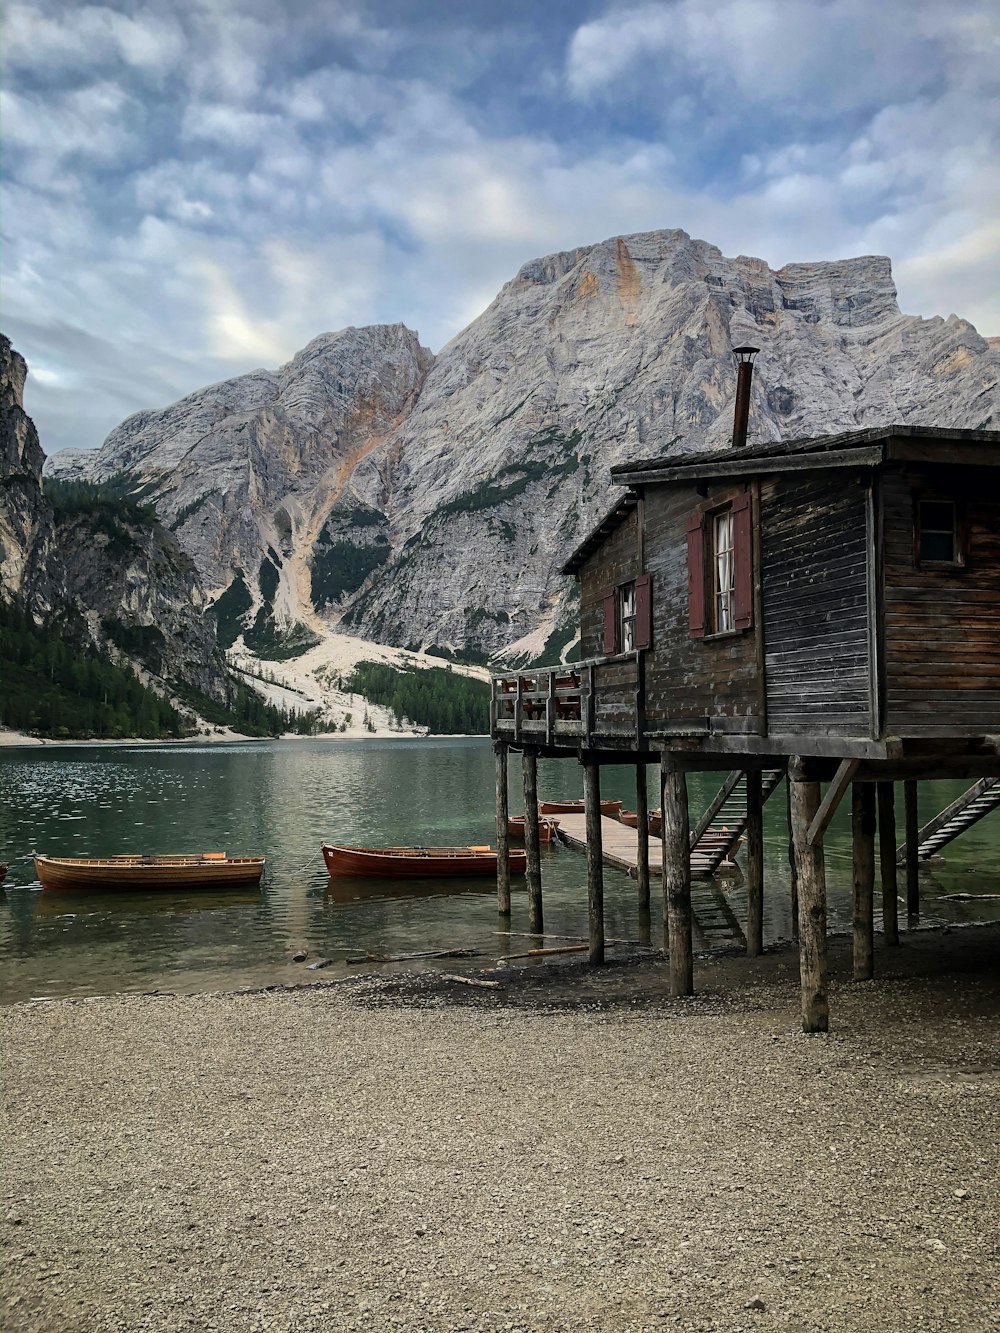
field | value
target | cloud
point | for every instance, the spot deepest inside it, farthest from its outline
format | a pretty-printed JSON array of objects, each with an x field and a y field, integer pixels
[{"x": 196, "y": 187}]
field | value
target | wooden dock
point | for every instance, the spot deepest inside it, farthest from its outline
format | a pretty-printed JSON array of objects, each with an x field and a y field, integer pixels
[{"x": 620, "y": 846}]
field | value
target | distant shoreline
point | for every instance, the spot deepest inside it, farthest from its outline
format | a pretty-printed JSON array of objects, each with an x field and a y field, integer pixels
[{"x": 10, "y": 740}]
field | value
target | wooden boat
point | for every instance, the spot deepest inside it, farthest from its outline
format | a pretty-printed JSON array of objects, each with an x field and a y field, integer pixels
[
  {"x": 181, "y": 871},
  {"x": 609, "y": 808},
  {"x": 546, "y": 828},
  {"x": 426, "y": 862},
  {"x": 631, "y": 819}
]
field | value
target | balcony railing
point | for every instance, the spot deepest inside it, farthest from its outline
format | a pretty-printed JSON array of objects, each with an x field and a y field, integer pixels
[{"x": 603, "y": 698}]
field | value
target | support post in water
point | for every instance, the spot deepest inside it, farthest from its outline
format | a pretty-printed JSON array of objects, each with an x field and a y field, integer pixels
[
  {"x": 793, "y": 873},
  {"x": 811, "y": 868},
  {"x": 533, "y": 870},
  {"x": 642, "y": 828},
  {"x": 595, "y": 857},
  {"x": 503, "y": 832},
  {"x": 677, "y": 875},
  {"x": 863, "y": 857},
  {"x": 912, "y": 859},
  {"x": 755, "y": 863},
  {"x": 887, "y": 861}
]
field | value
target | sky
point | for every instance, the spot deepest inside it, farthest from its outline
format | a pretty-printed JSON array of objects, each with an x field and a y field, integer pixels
[{"x": 196, "y": 188}]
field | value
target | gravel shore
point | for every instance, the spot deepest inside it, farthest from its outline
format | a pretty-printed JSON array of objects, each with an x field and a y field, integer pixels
[{"x": 572, "y": 1151}]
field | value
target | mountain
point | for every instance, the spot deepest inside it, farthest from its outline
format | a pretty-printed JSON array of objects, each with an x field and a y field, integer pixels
[
  {"x": 97, "y": 571},
  {"x": 429, "y": 502}
]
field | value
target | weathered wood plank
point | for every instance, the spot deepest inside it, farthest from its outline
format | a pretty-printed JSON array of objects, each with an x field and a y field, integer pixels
[
  {"x": 863, "y": 858},
  {"x": 811, "y": 874},
  {"x": 595, "y": 863},
  {"x": 887, "y": 861},
  {"x": 529, "y": 768},
  {"x": 503, "y": 833},
  {"x": 677, "y": 877}
]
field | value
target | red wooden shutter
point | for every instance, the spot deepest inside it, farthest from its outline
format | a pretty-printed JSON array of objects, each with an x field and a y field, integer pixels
[
  {"x": 696, "y": 576},
  {"x": 643, "y": 611},
  {"x": 742, "y": 563},
  {"x": 610, "y": 625}
]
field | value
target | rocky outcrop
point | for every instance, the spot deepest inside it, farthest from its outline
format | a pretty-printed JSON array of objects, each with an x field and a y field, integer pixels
[
  {"x": 25, "y": 521},
  {"x": 422, "y": 501},
  {"x": 246, "y": 473},
  {"x": 107, "y": 573}
]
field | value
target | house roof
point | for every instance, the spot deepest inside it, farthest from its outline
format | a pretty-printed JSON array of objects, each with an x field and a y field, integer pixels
[
  {"x": 856, "y": 448},
  {"x": 622, "y": 507},
  {"x": 848, "y": 449}
]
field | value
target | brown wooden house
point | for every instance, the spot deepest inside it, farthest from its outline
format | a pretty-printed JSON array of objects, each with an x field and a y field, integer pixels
[{"x": 825, "y": 607}]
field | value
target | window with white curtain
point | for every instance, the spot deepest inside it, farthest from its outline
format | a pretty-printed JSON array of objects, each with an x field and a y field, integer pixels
[{"x": 723, "y": 571}]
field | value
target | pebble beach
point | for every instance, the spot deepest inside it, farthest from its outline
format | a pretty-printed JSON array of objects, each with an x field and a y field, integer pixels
[{"x": 573, "y": 1150}]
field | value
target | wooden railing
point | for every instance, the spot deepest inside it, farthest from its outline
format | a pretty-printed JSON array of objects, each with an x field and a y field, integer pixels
[{"x": 601, "y": 697}]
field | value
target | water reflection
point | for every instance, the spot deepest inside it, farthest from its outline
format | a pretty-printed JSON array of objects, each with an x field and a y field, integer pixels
[
  {"x": 52, "y": 903},
  {"x": 283, "y": 800}
]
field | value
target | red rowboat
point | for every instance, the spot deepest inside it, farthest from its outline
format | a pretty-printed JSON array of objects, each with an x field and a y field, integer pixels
[
  {"x": 610, "y": 808},
  {"x": 427, "y": 862},
  {"x": 546, "y": 828}
]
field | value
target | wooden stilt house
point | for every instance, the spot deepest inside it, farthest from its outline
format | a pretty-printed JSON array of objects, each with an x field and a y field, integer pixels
[{"x": 827, "y": 609}]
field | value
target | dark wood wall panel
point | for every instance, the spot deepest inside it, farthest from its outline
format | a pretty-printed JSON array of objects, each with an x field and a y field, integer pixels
[
  {"x": 942, "y": 671},
  {"x": 688, "y": 678},
  {"x": 814, "y": 564},
  {"x": 616, "y": 561}
]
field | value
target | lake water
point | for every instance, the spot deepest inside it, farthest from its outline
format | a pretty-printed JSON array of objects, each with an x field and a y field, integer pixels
[{"x": 282, "y": 799}]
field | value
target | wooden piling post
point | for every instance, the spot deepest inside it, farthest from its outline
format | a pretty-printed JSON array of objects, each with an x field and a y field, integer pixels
[
  {"x": 912, "y": 860},
  {"x": 533, "y": 869},
  {"x": 755, "y": 863},
  {"x": 642, "y": 827},
  {"x": 595, "y": 858},
  {"x": 503, "y": 832},
  {"x": 887, "y": 861},
  {"x": 863, "y": 848},
  {"x": 677, "y": 875},
  {"x": 809, "y": 862},
  {"x": 792, "y": 868}
]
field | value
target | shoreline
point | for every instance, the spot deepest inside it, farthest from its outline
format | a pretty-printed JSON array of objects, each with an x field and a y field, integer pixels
[
  {"x": 577, "y": 1151},
  {"x": 12, "y": 740}
]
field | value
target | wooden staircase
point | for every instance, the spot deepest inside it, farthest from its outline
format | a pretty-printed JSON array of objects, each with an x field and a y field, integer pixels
[
  {"x": 969, "y": 809},
  {"x": 718, "y": 832}
]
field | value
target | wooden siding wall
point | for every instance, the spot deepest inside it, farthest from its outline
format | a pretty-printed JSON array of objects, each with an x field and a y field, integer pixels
[
  {"x": 942, "y": 653},
  {"x": 814, "y": 542},
  {"x": 691, "y": 678},
  {"x": 616, "y": 561}
]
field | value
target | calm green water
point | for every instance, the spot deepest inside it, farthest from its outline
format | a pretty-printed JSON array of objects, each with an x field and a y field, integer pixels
[{"x": 282, "y": 800}]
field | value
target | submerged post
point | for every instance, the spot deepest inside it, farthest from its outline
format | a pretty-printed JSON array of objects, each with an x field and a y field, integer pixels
[
  {"x": 676, "y": 875},
  {"x": 912, "y": 860},
  {"x": 809, "y": 862},
  {"x": 755, "y": 863},
  {"x": 533, "y": 870},
  {"x": 503, "y": 832},
  {"x": 887, "y": 861},
  {"x": 642, "y": 828},
  {"x": 863, "y": 848},
  {"x": 595, "y": 858},
  {"x": 793, "y": 872}
]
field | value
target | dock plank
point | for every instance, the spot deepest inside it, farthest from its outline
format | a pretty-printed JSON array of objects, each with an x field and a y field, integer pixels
[{"x": 620, "y": 845}]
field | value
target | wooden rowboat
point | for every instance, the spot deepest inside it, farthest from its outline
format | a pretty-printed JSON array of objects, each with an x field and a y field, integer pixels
[
  {"x": 546, "y": 828},
  {"x": 180, "y": 871},
  {"x": 631, "y": 819},
  {"x": 425, "y": 862},
  {"x": 609, "y": 808}
]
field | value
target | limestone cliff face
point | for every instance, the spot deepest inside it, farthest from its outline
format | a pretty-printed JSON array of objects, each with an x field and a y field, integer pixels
[
  {"x": 616, "y": 351},
  {"x": 25, "y": 522},
  {"x": 117, "y": 580},
  {"x": 246, "y": 473},
  {"x": 423, "y": 501}
]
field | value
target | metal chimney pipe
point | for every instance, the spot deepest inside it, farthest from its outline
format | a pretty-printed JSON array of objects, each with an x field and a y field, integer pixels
[{"x": 744, "y": 375}]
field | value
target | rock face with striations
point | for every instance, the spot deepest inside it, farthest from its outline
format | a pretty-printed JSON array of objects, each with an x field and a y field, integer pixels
[
  {"x": 117, "y": 580},
  {"x": 424, "y": 501}
]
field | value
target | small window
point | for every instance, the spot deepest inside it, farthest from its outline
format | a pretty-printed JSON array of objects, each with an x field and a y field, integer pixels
[
  {"x": 937, "y": 533},
  {"x": 625, "y": 614},
  {"x": 723, "y": 570},
  {"x": 720, "y": 568}
]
